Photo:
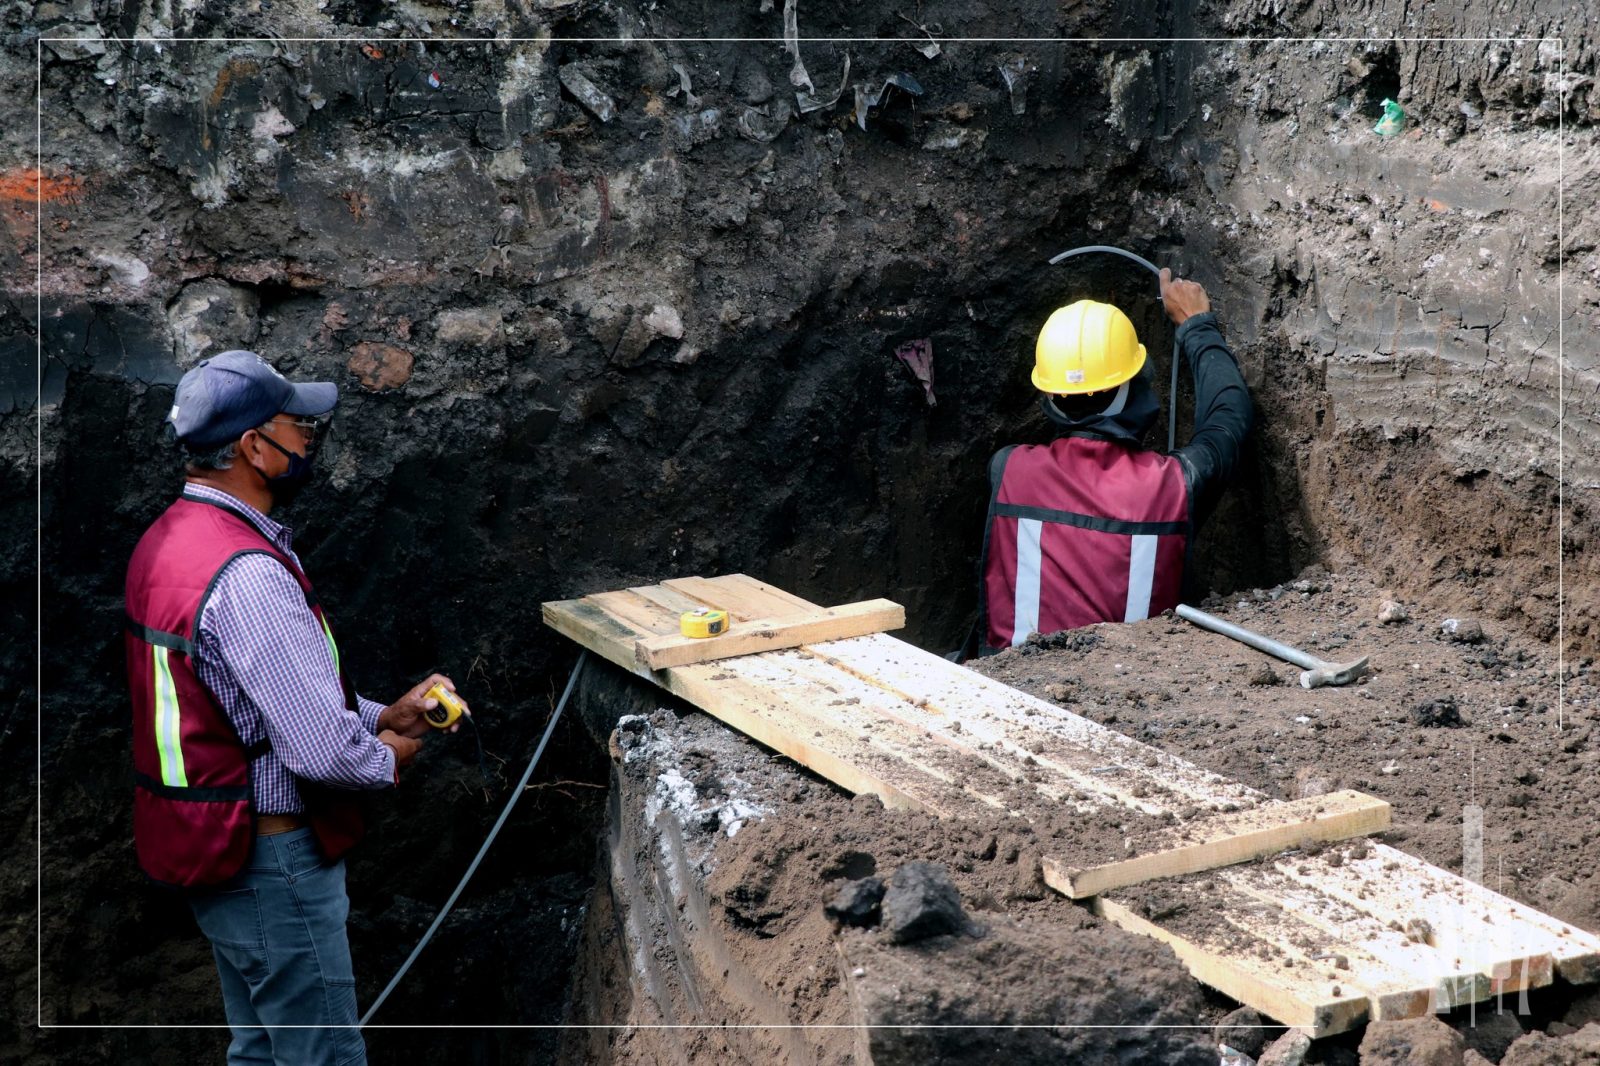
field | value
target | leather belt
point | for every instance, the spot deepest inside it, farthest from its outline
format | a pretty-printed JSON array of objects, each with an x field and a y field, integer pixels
[{"x": 270, "y": 825}]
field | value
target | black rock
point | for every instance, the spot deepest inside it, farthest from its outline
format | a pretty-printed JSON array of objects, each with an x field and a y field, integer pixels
[
  {"x": 921, "y": 902},
  {"x": 1247, "y": 1031},
  {"x": 1490, "y": 1034},
  {"x": 857, "y": 903},
  {"x": 1433, "y": 714}
]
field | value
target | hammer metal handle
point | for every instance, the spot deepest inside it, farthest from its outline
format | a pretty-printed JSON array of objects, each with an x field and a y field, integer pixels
[{"x": 1244, "y": 636}]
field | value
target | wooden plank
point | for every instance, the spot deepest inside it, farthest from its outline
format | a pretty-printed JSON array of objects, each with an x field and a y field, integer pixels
[
  {"x": 772, "y": 634},
  {"x": 1471, "y": 925},
  {"x": 944, "y": 688},
  {"x": 1574, "y": 952},
  {"x": 629, "y": 606},
  {"x": 1449, "y": 986},
  {"x": 741, "y": 601},
  {"x": 1293, "y": 995},
  {"x": 771, "y": 596},
  {"x": 1225, "y": 839},
  {"x": 858, "y": 751},
  {"x": 985, "y": 766}
]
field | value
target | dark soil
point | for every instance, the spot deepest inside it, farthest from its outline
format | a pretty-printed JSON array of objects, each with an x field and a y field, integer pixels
[{"x": 579, "y": 355}]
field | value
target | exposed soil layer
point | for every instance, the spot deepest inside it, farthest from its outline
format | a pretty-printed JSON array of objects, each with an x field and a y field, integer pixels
[
  {"x": 722, "y": 860},
  {"x": 582, "y": 351}
]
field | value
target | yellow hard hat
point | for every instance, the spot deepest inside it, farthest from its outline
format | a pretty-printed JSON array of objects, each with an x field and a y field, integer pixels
[{"x": 1086, "y": 347}]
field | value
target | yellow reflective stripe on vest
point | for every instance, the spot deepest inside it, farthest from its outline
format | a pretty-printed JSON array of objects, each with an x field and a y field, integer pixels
[
  {"x": 332, "y": 647},
  {"x": 168, "y": 733}
]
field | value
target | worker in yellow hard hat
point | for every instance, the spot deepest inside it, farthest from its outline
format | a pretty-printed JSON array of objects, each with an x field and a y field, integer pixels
[{"x": 1095, "y": 527}]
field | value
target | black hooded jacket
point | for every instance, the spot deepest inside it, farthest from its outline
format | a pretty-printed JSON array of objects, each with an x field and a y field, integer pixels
[{"x": 1223, "y": 413}]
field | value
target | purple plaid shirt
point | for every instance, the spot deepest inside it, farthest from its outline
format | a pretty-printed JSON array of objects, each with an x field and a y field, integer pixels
[{"x": 261, "y": 652}]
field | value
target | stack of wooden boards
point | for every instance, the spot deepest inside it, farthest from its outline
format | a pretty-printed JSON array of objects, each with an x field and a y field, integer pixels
[{"x": 1323, "y": 940}]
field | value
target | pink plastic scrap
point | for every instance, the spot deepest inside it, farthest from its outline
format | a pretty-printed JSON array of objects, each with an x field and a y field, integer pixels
[{"x": 918, "y": 355}]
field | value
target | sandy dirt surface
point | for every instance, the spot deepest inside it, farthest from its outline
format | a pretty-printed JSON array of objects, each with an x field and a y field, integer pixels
[{"x": 1438, "y": 725}]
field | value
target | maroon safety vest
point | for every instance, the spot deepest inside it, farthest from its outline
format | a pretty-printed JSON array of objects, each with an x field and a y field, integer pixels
[
  {"x": 193, "y": 819},
  {"x": 1080, "y": 531}
]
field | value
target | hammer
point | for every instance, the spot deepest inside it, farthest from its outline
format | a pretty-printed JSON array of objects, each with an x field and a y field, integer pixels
[{"x": 1314, "y": 673}]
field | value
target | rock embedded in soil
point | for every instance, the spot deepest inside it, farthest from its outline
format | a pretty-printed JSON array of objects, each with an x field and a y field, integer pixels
[
  {"x": 1246, "y": 1031},
  {"x": 922, "y": 902},
  {"x": 857, "y": 903},
  {"x": 1392, "y": 613},
  {"x": 1265, "y": 676},
  {"x": 1581, "y": 1048},
  {"x": 1437, "y": 713},
  {"x": 1290, "y": 1049},
  {"x": 1462, "y": 630},
  {"x": 1491, "y": 1034},
  {"x": 1411, "y": 1042}
]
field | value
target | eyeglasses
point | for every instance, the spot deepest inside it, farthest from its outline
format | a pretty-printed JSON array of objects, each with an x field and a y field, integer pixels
[{"x": 309, "y": 427}]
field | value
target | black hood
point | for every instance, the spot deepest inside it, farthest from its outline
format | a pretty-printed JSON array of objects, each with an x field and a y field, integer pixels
[{"x": 1124, "y": 418}]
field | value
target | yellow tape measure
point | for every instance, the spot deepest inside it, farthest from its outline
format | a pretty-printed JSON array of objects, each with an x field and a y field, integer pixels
[
  {"x": 443, "y": 716},
  {"x": 705, "y": 622}
]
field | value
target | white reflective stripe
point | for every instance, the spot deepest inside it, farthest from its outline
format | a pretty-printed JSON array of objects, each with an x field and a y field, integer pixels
[
  {"x": 1025, "y": 604},
  {"x": 168, "y": 734},
  {"x": 1141, "y": 576}
]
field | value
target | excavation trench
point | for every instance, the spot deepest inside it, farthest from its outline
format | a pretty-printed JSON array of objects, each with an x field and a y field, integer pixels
[{"x": 579, "y": 355}]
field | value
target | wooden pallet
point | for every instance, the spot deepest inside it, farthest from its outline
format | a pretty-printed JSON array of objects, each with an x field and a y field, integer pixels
[{"x": 1312, "y": 941}]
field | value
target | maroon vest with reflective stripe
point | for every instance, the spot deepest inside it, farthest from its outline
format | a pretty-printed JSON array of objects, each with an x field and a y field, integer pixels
[
  {"x": 193, "y": 820},
  {"x": 1081, "y": 531}
]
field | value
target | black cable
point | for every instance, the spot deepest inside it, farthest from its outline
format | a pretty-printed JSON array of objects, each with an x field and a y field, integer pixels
[
  {"x": 516, "y": 794},
  {"x": 1172, "y": 395}
]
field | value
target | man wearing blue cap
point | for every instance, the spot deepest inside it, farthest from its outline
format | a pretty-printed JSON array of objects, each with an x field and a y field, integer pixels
[{"x": 250, "y": 745}]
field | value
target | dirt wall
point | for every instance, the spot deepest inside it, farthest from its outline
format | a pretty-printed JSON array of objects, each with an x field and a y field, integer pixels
[{"x": 579, "y": 353}]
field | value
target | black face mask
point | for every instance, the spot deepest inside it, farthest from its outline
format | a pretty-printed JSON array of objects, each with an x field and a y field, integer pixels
[{"x": 287, "y": 485}]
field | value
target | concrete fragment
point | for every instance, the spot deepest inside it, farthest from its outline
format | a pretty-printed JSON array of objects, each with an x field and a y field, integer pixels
[
  {"x": 1412, "y": 1042},
  {"x": 212, "y": 316},
  {"x": 380, "y": 366},
  {"x": 1246, "y": 1031},
  {"x": 921, "y": 902},
  {"x": 125, "y": 269},
  {"x": 1472, "y": 1058},
  {"x": 857, "y": 903},
  {"x": 587, "y": 93},
  {"x": 1392, "y": 613},
  {"x": 1491, "y": 1034},
  {"x": 1462, "y": 630},
  {"x": 1288, "y": 1050},
  {"x": 474, "y": 327}
]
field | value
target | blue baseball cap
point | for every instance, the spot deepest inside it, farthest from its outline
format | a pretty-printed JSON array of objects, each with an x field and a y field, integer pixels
[{"x": 229, "y": 393}]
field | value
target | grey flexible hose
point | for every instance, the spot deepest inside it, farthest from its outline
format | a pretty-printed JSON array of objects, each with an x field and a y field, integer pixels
[
  {"x": 516, "y": 794},
  {"x": 1172, "y": 395}
]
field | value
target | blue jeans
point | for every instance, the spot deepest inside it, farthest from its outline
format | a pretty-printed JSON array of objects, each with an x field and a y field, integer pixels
[{"x": 277, "y": 930}]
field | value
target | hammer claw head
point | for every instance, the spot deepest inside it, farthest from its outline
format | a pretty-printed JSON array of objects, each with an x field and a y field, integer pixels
[{"x": 1333, "y": 673}]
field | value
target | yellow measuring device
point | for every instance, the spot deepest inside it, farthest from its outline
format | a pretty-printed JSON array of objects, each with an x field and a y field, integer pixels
[
  {"x": 704, "y": 622},
  {"x": 450, "y": 708}
]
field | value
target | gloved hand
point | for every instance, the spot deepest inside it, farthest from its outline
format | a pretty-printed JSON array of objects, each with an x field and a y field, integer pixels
[
  {"x": 404, "y": 715},
  {"x": 1182, "y": 298}
]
